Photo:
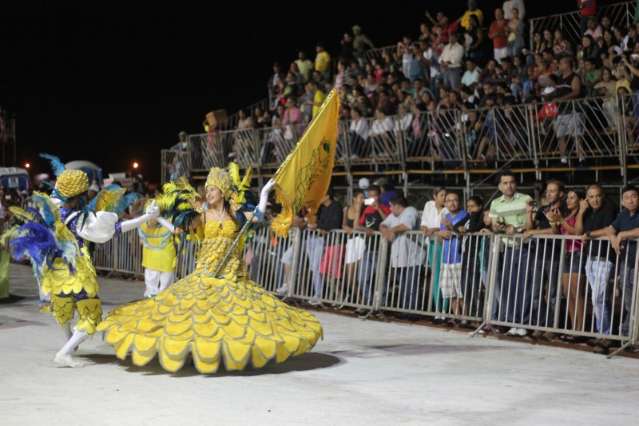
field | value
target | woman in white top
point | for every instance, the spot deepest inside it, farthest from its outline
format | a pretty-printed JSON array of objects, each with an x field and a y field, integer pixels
[{"x": 432, "y": 215}]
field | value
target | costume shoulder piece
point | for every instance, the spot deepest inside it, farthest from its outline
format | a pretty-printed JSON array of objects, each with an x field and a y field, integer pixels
[{"x": 41, "y": 236}]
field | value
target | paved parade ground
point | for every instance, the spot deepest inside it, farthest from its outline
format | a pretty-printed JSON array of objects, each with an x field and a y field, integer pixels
[{"x": 362, "y": 373}]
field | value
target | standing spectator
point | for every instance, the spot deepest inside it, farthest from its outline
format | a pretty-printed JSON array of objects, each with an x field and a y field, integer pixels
[
  {"x": 451, "y": 62},
  {"x": 515, "y": 34},
  {"x": 369, "y": 222},
  {"x": 318, "y": 98},
  {"x": 347, "y": 52},
  {"x": 354, "y": 246},
  {"x": 498, "y": 33},
  {"x": 451, "y": 286},
  {"x": 322, "y": 61},
  {"x": 406, "y": 256},
  {"x": 509, "y": 5},
  {"x": 472, "y": 11},
  {"x": 475, "y": 263},
  {"x": 291, "y": 120},
  {"x": 622, "y": 232},
  {"x": 572, "y": 278},
  {"x": 508, "y": 216},
  {"x": 545, "y": 221},
  {"x": 431, "y": 222},
  {"x": 598, "y": 217},
  {"x": 329, "y": 217},
  {"x": 361, "y": 43},
  {"x": 304, "y": 65},
  {"x": 569, "y": 123},
  {"x": 274, "y": 82}
]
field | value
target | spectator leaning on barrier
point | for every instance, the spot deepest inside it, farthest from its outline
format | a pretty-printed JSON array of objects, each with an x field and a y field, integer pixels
[
  {"x": 573, "y": 277},
  {"x": 546, "y": 266},
  {"x": 329, "y": 217},
  {"x": 508, "y": 214},
  {"x": 451, "y": 284},
  {"x": 369, "y": 222},
  {"x": 431, "y": 221},
  {"x": 406, "y": 256},
  {"x": 622, "y": 233},
  {"x": 596, "y": 221}
]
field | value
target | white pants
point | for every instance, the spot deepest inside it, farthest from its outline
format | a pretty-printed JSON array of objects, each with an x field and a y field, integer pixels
[
  {"x": 156, "y": 281},
  {"x": 501, "y": 54}
]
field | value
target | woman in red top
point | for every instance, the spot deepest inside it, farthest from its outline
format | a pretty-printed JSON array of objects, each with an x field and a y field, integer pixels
[{"x": 572, "y": 278}]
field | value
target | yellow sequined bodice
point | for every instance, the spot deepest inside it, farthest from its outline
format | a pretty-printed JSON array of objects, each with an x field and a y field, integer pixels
[{"x": 218, "y": 237}]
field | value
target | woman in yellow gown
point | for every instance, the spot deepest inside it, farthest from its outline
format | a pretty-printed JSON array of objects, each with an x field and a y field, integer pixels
[{"x": 218, "y": 318}]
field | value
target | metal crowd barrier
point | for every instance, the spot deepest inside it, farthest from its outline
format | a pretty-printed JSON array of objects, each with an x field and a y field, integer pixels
[
  {"x": 621, "y": 16},
  {"x": 551, "y": 283},
  {"x": 564, "y": 285}
]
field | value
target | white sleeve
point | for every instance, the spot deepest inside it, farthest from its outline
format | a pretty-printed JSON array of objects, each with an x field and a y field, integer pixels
[
  {"x": 408, "y": 218},
  {"x": 168, "y": 225},
  {"x": 425, "y": 214},
  {"x": 97, "y": 227}
]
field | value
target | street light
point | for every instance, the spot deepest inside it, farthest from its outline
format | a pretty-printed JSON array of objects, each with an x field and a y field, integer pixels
[
  {"x": 27, "y": 165},
  {"x": 136, "y": 165}
]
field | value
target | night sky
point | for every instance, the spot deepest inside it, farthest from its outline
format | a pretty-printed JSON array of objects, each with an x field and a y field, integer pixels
[{"x": 112, "y": 84}]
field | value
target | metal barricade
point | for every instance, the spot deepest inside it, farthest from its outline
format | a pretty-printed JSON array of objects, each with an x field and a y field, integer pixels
[
  {"x": 269, "y": 259},
  {"x": 338, "y": 268},
  {"x": 247, "y": 147},
  {"x": 583, "y": 128},
  {"x": 128, "y": 254},
  {"x": 103, "y": 256},
  {"x": 186, "y": 259},
  {"x": 561, "y": 284},
  {"x": 444, "y": 135}
]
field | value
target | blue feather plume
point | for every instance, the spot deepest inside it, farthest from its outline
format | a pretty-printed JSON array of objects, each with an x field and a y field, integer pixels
[
  {"x": 37, "y": 243},
  {"x": 56, "y": 164},
  {"x": 126, "y": 201}
]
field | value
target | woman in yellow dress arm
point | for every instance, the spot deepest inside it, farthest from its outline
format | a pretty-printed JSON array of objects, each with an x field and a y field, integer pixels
[{"x": 216, "y": 314}]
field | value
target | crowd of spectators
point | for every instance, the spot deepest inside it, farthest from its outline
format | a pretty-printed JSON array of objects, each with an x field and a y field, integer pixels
[{"x": 472, "y": 63}]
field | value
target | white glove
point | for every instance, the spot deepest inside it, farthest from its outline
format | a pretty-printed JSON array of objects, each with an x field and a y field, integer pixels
[
  {"x": 266, "y": 190},
  {"x": 168, "y": 225},
  {"x": 152, "y": 210}
]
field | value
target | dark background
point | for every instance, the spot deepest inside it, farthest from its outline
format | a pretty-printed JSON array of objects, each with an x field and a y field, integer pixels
[{"x": 115, "y": 82}]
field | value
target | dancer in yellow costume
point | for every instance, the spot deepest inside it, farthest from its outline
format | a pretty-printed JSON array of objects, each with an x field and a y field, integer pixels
[
  {"x": 158, "y": 255},
  {"x": 217, "y": 317},
  {"x": 53, "y": 237}
]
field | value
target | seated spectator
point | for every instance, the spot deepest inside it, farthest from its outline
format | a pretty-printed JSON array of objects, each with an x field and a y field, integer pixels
[
  {"x": 406, "y": 256},
  {"x": 471, "y": 76},
  {"x": 358, "y": 134},
  {"x": 593, "y": 29}
]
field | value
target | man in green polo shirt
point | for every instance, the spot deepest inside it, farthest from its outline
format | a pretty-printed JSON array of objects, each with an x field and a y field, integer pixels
[{"x": 512, "y": 291}]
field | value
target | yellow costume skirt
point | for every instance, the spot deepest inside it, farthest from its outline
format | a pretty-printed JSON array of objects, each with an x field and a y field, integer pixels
[{"x": 217, "y": 321}]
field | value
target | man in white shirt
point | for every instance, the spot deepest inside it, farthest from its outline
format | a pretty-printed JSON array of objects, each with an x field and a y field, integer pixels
[
  {"x": 451, "y": 62},
  {"x": 509, "y": 5},
  {"x": 358, "y": 133},
  {"x": 406, "y": 257}
]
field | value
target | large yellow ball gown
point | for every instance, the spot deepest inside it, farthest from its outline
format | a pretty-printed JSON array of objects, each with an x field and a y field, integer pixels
[{"x": 228, "y": 320}]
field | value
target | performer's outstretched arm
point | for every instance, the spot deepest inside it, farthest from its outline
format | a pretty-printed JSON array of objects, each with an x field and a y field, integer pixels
[{"x": 100, "y": 227}]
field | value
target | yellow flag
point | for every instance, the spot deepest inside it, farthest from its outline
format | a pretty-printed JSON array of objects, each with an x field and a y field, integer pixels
[{"x": 305, "y": 175}]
